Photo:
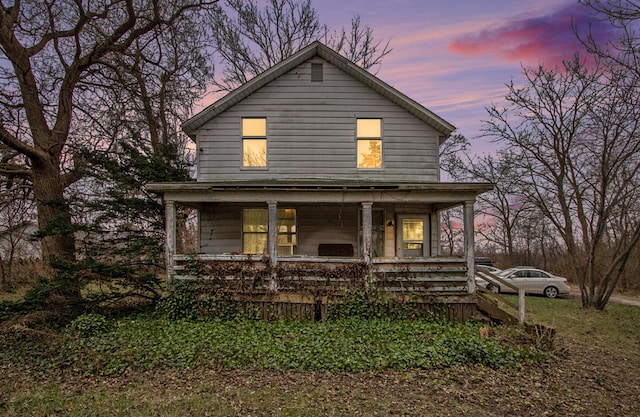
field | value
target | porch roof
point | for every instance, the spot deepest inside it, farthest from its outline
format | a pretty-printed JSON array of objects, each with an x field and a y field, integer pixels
[{"x": 440, "y": 194}]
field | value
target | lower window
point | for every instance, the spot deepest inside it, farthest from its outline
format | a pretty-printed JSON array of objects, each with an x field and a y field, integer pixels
[{"x": 255, "y": 231}]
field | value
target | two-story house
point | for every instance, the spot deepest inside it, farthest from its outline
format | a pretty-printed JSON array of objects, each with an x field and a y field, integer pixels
[{"x": 318, "y": 174}]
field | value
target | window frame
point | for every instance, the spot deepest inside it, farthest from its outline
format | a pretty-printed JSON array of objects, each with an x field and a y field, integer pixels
[
  {"x": 291, "y": 235},
  {"x": 251, "y": 137},
  {"x": 264, "y": 233},
  {"x": 407, "y": 242},
  {"x": 364, "y": 138}
]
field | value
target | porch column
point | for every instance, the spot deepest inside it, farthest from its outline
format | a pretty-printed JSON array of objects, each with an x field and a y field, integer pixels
[
  {"x": 272, "y": 239},
  {"x": 366, "y": 231},
  {"x": 468, "y": 245},
  {"x": 170, "y": 235}
]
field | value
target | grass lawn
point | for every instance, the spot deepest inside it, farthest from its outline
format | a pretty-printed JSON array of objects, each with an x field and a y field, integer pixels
[{"x": 149, "y": 367}]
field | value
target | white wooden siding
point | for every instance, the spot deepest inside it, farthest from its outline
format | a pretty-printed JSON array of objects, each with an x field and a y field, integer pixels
[
  {"x": 221, "y": 227},
  {"x": 326, "y": 224},
  {"x": 311, "y": 132}
]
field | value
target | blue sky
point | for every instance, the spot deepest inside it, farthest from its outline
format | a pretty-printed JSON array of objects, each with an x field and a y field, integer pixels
[{"x": 455, "y": 57}]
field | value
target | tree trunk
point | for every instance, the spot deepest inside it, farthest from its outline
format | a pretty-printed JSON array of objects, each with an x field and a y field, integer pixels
[{"x": 54, "y": 214}]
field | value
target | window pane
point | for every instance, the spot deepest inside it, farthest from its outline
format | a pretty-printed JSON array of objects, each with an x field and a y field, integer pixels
[
  {"x": 287, "y": 231},
  {"x": 254, "y": 127},
  {"x": 255, "y": 243},
  {"x": 413, "y": 230},
  {"x": 369, "y": 153},
  {"x": 255, "y": 225},
  {"x": 368, "y": 128},
  {"x": 254, "y": 153},
  {"x": 255, "y": 220},
  {"x": 412, "y": 246}
]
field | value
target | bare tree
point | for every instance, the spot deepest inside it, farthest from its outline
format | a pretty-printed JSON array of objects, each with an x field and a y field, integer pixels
[
  {"x": 499, "y": 210},
  {"x": 16, "y": 219},
  {"x": 575, "y": 133},
  {"x": 451, "y": 153},
  {"x": 51, "y": 48},
  {"x": 452, "y": 231},
  {"x": 249, "y": 39},
  {"x": 623, "y": 16}
]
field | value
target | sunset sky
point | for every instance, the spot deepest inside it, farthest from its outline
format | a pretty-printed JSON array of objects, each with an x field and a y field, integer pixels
[{"x": 455, "y": 56}]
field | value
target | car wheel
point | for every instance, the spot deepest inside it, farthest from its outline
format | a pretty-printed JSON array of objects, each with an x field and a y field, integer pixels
[
  {"x": 551, "y": 292},
  {"x": 493, "y": 288}
]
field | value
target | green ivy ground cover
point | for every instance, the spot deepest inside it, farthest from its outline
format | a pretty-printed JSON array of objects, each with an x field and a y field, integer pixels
[{"x": 95, "y": 346}]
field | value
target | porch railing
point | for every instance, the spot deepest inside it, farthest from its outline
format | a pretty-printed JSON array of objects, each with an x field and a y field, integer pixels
[
  {"x": 439, "y": 275},
  {"x": 500, "y": 282}
]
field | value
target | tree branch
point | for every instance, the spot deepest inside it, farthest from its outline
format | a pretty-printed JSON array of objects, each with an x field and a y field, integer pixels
[
  {"x": 14, "y": 143},
  {"x": 15, "y": 170}
]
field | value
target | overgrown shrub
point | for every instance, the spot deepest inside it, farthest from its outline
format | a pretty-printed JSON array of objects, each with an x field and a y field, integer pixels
[
  {"x": 88, "y": 325},
  {"x": 181, "y": 302},
  {"x": 359, "y": 304},
  {"x": 193, "y": 300},
  {"x": 204, "y": 299}
]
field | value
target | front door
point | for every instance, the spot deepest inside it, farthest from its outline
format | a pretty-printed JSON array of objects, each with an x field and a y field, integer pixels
[{"x": 413, "y": 235}]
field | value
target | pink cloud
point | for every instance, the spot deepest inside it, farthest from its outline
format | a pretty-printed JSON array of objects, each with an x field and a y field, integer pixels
[{"x": 543, "y": 39}]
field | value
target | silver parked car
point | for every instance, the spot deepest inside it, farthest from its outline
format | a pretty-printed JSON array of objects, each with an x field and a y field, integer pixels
[
  {"x": 485, "y": 268},
  {"x": 533, "y": 280},
  {"x": 488, "y": 268}
]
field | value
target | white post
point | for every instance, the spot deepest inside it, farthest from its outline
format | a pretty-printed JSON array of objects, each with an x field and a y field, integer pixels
[
  {"x": 366, "y": 231},
  {"x": 468, "y": 246},
  {"x": 521, "y": 305},
  {"x": 272, "y": 242},
  {"x": 272, "y": 239},
  {"x": 170, "y": 235}
]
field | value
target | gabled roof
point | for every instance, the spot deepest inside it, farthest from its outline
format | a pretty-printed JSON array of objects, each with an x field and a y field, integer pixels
[{"x": 319, "y": 49}]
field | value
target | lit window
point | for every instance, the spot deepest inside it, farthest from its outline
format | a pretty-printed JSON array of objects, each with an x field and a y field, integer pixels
[
  {"x": 287, "y": 236},
  {"x": 369, "y": 138},
  {"x": 255, "y": 230},
  {"x": 254, "y": 142},
  {"x": 255, "y": 226},
  {"x": 412, "y": 233}
]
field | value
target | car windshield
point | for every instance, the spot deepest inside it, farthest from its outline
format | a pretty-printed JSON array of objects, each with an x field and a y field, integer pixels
[{"x": 506, "y": 272}]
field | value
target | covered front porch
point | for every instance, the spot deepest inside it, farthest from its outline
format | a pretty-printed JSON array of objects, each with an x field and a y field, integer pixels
[{"x": 324, "y": 237}]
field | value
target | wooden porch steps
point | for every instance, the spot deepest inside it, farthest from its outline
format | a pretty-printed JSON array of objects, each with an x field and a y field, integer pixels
[{"x": 497, "y": 307}]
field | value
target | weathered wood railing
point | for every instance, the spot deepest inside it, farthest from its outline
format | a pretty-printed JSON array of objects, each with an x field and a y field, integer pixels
[
  {"x": 302, "y": 287},
  {"x": 424, "y": 275},
  {"x": 500, "y": 282}
]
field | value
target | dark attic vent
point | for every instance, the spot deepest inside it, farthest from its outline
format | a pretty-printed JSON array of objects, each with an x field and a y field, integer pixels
[{"x": 316, "y": 72}]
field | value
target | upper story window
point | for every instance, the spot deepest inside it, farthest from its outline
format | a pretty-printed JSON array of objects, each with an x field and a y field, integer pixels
[
  {"x": 254, "y": 142},
  {"x": 369, "y": 147}
]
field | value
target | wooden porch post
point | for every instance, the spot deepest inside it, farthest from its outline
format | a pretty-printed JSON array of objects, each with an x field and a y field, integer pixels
[
  {"x": 272, "y": 242},
  {"x": 170, "y": 235},
  {"x": 366, "y": 231},
  {"x": 272, "y": 239},
  {"x": 468, "y": 245}
]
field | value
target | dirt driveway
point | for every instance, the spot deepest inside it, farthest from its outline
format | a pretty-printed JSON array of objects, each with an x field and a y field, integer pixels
[{"x": 625, "y": 299}]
